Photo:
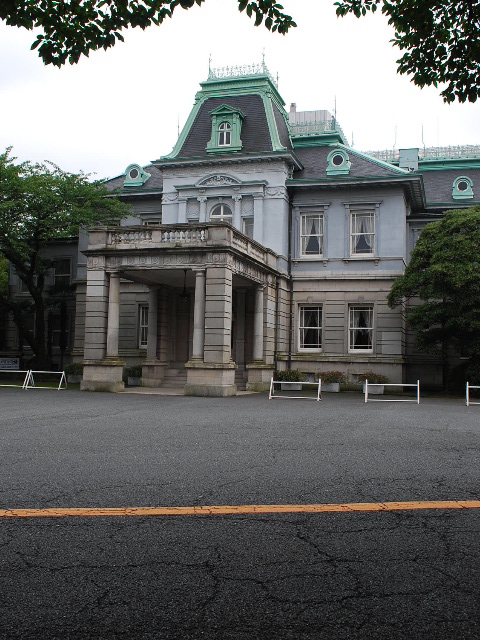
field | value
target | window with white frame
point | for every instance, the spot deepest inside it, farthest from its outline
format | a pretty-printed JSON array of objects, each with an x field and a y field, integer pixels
[
  {"x": 310, "y": 327},
  {"x": 143, "y": 326},
  {"x": 362, "y": 236},
  {"x": 221, "y": 213},
  {"x": 224, "y": 134},
  {"x": 311, "y": 234},
  {"x": 360, "y": 328}
]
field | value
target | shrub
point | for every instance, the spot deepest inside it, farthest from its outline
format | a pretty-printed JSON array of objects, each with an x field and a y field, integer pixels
[
  {"x": 373, "y": 378},
  {"x": 74, "y": 369},
  {"x": 291, "y": 375},
  {"x": 132, "y": 372},
  {"x": 473, "y": 373},
  {"x": 329, "y": 377}
]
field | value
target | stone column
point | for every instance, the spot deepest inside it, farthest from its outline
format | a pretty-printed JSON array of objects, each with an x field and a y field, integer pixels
[
  {"x": 237, "y": 213},
  {"x": 215, "y": 374},
  {"x": 240, "y": 341},
  {"x": 152, "y": 324},
  {"x": 102, "y": 373},
  {"x": 258, "y": 218},
  {"x": 199, "y": 316},
  {"x": 258, "y": 325},
  {"x": 203, "y": 209},
  {"x": 113, "y": 315}
]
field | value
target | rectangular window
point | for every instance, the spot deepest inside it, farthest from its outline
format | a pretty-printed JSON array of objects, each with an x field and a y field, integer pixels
[
  {"x": 362, "y": 233},
  {"x": 62, "y": 272},
  {"x": 310, "y": 327},
  {"x": 142, "y": 326},
  {"x": 311, "y": 234},
  {"x": 60, "y": 335},
  {"x": 248, "y": 227},
  {"x": 360, "y": 328}
]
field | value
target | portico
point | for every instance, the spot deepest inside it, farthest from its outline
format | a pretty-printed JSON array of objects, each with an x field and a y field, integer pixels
[{"x": 211, "y": 291}]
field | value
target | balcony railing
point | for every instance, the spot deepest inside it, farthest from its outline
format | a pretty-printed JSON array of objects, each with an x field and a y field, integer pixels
[{"x": 199, "y": 236}]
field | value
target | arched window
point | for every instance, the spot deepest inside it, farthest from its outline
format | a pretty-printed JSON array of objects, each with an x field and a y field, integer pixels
[
  {"x": 221, "y": 213},
  {"x": 224, "y": 135}
]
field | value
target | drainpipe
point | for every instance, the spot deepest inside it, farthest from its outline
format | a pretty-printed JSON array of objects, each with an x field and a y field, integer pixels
[
  {"x": 275, "y": 352},
  {"x": 290, "y": 314}
]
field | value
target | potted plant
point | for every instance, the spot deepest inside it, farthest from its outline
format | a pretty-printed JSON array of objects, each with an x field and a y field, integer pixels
[
  {"x": 289, "y": 376},
  {"x": 74, "y": 372},
  {"x": 331, "y": 380},
  {"x": 133, "y": 375},
  {"x": 376, "y": 382}
]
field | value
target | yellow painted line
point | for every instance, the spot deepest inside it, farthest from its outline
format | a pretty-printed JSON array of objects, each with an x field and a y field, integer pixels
[{"x": 234, "y": 510}]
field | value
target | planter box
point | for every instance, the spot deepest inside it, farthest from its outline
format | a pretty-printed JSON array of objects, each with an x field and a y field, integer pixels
[
  {"x": 374, "y": 389},
  {"x": 291, "y": 386},
  {"x": 330, "y": 387}
]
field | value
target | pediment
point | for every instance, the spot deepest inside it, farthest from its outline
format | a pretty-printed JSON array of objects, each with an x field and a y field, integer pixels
[
  {"x": 218, "y": 180},
  {"x": 225, "y": 109}
]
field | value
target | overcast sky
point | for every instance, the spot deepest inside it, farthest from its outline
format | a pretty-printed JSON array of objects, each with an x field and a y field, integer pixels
[{"x": 125, "y": 105}]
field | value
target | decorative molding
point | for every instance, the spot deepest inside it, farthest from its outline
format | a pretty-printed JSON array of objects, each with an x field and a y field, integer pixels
[{"x": 219, "y": 181}]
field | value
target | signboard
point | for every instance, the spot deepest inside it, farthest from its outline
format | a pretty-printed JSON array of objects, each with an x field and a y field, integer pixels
[{"x": 10, "y": 363}]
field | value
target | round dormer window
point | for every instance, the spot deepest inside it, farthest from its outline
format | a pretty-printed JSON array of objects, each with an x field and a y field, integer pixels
[
  {"x": 133, "y": 173},
  {"x": 462, "y": 185},
  {"x": 338, "y": 160}
]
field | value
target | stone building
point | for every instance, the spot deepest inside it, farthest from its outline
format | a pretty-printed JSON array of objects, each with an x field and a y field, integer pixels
[{"x": 263, "y": 241}]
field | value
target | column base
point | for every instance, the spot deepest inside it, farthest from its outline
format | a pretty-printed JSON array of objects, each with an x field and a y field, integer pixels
[
  {"x": 153, "y": 373},
  {"x": 103, "y": 375},
  {"x": 259, "y": 376},
  {"x": 210, "y": 380}
]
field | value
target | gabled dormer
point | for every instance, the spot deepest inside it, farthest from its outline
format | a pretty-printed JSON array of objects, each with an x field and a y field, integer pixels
[{"x": 226, "y": 129}]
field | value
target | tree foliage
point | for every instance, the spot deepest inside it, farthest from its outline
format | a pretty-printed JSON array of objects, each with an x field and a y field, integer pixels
[
  {"x": 440, "y": 38},
  {"x": 443, "y": 281},
  {"x": 76, "y": 27},
  {"x": 40, "y": 203}
]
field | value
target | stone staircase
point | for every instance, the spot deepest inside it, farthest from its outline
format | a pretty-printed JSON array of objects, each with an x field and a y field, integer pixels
[
  {"x": 175, "y": 378},
  {"x": 241, "y": 379}
]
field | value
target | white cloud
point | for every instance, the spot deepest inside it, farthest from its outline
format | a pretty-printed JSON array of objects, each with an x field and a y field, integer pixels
[{"x": 124, "y": 105}]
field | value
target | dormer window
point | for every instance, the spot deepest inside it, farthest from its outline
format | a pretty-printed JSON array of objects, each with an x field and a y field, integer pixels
[
  {"x": 135, "y": 176},
  {"x": 224, "y": 135},
  {"x": 226, "y": 129},
  {"x": 462, "y": 188},
  {"x": 338, "y": 163}
]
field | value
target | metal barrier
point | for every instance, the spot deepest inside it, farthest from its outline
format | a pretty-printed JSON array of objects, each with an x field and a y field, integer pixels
[
  {"x": 318, "y": 386},
  {"x": 11, "y": 372},
  {"x": 467, "y": 398},
  {"x": 417, "y": 400},
  {"x": 30, "y": 380}
]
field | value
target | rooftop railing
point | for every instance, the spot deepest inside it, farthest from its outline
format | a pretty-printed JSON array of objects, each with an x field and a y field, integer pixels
[{"x": 460, "y": 152}]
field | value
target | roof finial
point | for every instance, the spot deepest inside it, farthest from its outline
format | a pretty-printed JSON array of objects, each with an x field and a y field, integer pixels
[
  {"x": 263, "y": 58},
  {"x": 209, "y": 64}
]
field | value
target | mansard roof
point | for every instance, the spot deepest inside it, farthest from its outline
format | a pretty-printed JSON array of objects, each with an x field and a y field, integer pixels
[
  {"x": 249, "y": 91},
  {"x": 314, "y": 161},
  {"x": 153, "y": 185}
]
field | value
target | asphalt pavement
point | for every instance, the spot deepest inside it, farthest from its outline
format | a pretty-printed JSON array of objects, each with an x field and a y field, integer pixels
[{"x": 397, "y": 575}]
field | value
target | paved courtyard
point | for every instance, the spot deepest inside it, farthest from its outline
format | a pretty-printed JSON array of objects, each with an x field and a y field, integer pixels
[{"x": 406, "y": 574}]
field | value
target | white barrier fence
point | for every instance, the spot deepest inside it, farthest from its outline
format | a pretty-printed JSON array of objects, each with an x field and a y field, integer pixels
[
  {"x": 371, "y": 384},
  {"x": 41, "y": 375},
  {"x": 296, "y": 386},
  {"x": 11, "y": 374},
  {"x": 26, "y": 380},
  {"x": 468, "y": 401}
]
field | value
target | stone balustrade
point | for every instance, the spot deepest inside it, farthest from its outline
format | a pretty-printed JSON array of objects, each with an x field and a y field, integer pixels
[{"x": 201, "y": 236}]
